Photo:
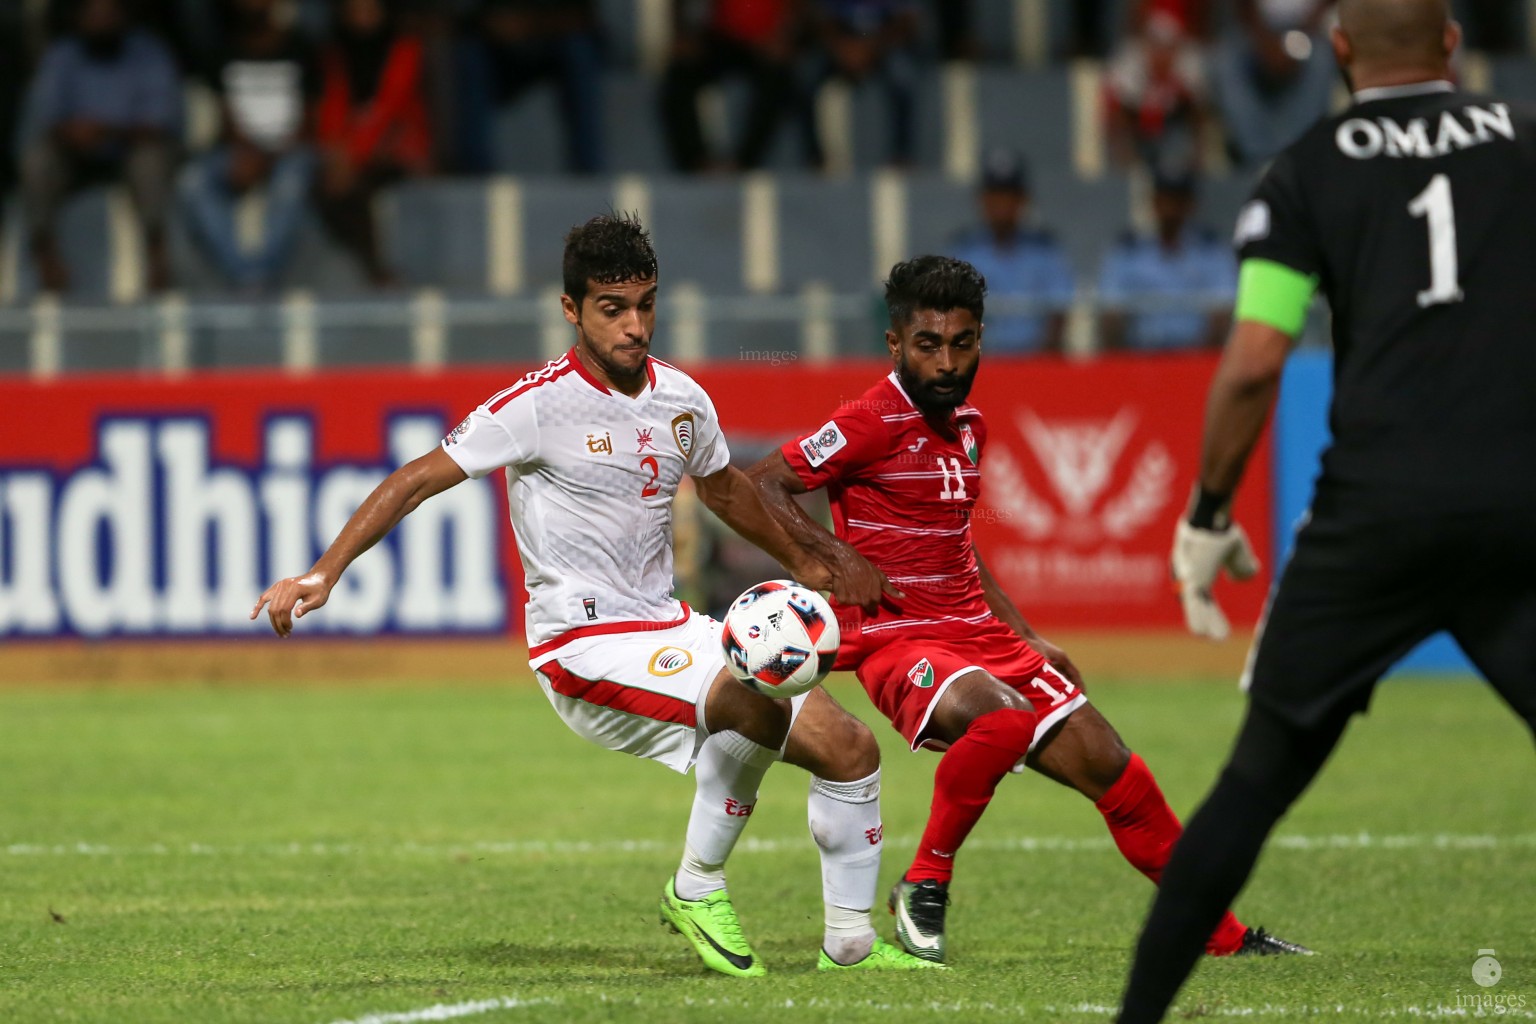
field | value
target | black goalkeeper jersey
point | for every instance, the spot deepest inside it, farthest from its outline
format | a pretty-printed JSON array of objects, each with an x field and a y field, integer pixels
[{"x": 1416, "y": 211}]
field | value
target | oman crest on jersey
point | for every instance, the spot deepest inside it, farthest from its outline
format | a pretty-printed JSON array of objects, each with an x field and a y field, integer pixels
[
  {"x": 968, "y": 441},
  {"x": 682, "y": 433}
]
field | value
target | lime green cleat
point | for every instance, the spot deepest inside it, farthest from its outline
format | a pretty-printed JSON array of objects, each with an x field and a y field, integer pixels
[
  {"x": 715, "y": 931},
  {"x": 883, "y": 957}
]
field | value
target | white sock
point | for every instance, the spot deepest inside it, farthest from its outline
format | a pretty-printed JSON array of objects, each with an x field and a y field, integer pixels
[
  {"x": 845, "y": 822},
  {"x": 727, "y": 774}
]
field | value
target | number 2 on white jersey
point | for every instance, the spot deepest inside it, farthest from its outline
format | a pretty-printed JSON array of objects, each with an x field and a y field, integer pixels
[{"x": 1434, "y": 205}]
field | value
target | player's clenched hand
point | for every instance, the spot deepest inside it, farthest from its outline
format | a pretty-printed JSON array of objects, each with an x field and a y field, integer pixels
[
  {"x": 1058, "y": 659},
  {"x": 1198, "y": 557},
  {"x": 291, "y": 598},
  {"x": 856, "y": 581}
]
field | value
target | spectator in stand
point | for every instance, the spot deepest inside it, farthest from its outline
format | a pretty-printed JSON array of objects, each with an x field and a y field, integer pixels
[
  {"x": 105, "y": 105},
  {"x": 507, "y": 47},
  {"x": 755, "y": 39},
  {"x": 1273, "y": 75},
  {"x": 861, "y": 40},
  {"x": 265, "y": 76},
  {"x": 955, "y": 18},
  {"x": 1172, "y": 289},
  {"x": 371, "y": 124},
  {"x": 1022, "y": 263},
  {"x": 13, "y": 87},
  {"x": 1155, "y": 95}
]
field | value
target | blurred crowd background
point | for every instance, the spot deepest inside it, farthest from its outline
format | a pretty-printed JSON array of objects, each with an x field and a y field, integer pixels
[{"x": 306, "y": 182}]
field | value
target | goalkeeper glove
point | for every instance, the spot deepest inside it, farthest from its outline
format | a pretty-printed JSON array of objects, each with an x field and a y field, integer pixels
[{"x": 1199, "y": 555}]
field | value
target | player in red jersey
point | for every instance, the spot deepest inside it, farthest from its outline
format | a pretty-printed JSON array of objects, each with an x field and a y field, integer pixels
[{"x": 947, "y": 657}]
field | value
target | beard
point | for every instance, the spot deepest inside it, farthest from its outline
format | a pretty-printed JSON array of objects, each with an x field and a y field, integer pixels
[{"x": 925, "y": 395}]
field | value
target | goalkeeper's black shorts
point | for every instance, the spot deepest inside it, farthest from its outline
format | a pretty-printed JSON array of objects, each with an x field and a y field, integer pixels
[{"x": 1371, "y": 577}]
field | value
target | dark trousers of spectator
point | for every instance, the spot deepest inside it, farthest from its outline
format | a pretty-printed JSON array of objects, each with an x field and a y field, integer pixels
[
  {"x": 773, "y": 95},
  {"x": 348, "y": 214},
  {"x": 49, "y": 173},
  {"x": 954, "y": 23},
  {"x": 897, "y": 75},
  {"x": 13, "y": 84},
  {"x": 491, "y": 75}
]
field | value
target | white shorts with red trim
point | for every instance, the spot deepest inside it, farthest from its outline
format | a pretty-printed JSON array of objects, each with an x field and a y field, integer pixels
[{"x": 639, "y": 692}]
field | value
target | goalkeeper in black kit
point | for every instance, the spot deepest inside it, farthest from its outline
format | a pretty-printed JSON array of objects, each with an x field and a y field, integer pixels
[{"x": 1414, "y": 213}]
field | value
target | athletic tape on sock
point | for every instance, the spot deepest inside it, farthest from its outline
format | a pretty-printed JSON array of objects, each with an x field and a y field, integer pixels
[{"x": 860, "y": 791}]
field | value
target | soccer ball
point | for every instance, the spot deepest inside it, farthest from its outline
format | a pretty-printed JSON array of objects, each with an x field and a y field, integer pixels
[{"x": 780, "y": 638}]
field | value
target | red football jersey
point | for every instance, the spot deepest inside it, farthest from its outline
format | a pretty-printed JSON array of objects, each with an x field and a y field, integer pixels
[{"x": 902, "y": 493}]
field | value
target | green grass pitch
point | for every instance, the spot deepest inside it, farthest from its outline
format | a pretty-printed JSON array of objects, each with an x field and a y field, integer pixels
[{"x": 397, "y": 852}]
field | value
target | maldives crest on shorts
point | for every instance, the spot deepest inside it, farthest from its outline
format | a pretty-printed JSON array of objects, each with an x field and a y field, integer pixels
[
  {"x": 682, "y": 433},
  {"x": 968, "y": 440},
  {"x": 921, "y": 675}
]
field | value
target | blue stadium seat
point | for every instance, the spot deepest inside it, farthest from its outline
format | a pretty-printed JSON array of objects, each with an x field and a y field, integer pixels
[
  {"x": 1027, "y": 110},
  {"x": 937, "y": 210},
  {"x": 824, "y": 233},
  {"x": 551, "y": 207},
  {"x": 619, "y": 20},
  {"x": 1515, "y": 77},
  {"x": 633, "y": 122},
  {"x": 696, "y": 224},
  {"x": 439, "y": 233},
  {"x": 1086, "y": 216}
]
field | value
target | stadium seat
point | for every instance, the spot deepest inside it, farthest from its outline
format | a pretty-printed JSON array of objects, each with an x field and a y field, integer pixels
[
  {"x": 1515, "y": 77},
  {"x": 824, "y": 233},
  {"x": 437, "y": 233},
  {"x": 1030, "y": 111},
  {"x": 937, "y": 210},
  {"x": 696, "y": 225},
  {"x": 551, "y": 207}
]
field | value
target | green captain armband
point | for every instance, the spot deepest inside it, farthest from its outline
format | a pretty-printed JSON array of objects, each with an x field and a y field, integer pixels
[{"x": 1274, "y": 294}]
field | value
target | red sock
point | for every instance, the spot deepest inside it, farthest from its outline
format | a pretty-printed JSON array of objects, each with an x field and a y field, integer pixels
[
  {"x": 1145, "y": 829},
  {"x": 963, "y": 785}
]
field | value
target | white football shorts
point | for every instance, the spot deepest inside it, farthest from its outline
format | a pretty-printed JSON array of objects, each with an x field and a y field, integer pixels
[{"x": 640, "y": 692}]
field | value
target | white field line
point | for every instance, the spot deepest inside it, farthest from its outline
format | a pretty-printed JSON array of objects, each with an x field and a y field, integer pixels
[
  {"x": 447, "y": 1011},
  {"x": 972, "y": 1009},
  {"x": 748, "y": 844}
]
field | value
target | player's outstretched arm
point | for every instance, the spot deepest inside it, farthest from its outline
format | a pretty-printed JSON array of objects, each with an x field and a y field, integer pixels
[
  {"x": 1003, "y": 607},
  {"x": 858, "y": 581},
  {"x": 390, "y": 502}
]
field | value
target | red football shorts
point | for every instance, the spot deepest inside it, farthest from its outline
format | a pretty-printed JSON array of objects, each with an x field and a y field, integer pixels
[{"x": 906, "y": 676}]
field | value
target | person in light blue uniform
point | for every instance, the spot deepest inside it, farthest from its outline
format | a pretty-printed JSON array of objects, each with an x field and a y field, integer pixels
[
  {"x": 1172, "y": 289},
  {"x": 1024, "y": 265}
]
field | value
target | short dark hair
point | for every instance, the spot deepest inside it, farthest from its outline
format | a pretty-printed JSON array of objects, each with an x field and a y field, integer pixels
[
  {"x": 933, "y": 282},
  {"x": 609, "y": 249}
]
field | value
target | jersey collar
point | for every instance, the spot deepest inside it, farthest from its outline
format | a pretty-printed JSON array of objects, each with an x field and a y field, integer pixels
[
  {"x": 1392, "y": 92},
  {"x": 586, "y": 375}
]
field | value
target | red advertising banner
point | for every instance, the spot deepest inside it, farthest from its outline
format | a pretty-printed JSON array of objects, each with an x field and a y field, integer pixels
[
  {"x": 145, "y": 506},
  {"x": 1087, "y": 468}
]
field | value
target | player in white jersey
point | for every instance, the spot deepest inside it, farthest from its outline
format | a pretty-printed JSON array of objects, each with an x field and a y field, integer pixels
[{"x": 594, "y": 446}]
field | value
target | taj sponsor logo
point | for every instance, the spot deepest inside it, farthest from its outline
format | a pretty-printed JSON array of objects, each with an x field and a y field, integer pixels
[
  {"x": 156, "y": 536},
  {"x": 1085, "y": 533}
]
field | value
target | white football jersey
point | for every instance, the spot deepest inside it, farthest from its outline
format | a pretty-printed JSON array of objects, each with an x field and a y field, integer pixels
[{"x": 591, "y": 475}]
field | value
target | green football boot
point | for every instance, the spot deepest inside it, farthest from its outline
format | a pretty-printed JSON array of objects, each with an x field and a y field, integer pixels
[
  {"x": 882, "y": 957},
  {"x": 919, "y": 908},
  {"x": 715, "y": 931}
]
